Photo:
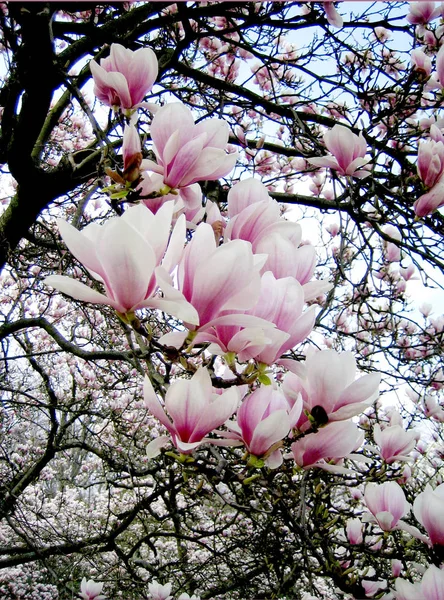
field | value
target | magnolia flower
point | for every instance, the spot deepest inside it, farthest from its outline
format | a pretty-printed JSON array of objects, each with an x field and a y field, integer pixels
[
  {"x": 432, "y": 584},
  {"x": 90, "y": 590},
  {"x": 431, "y": 201},
  {"x": 333, "y": 442},
  {"x": 394, "y": 442},
  {"x": 407, "y": 591},
  {"x": 217, "y": 278},
  {"x": 281, "y": 302},
  {"x": 327, "y": 384},
  {"x": 131, "y": 145},
  {"x": 194, "y": 410},
  {"x": 408, "y": 273},
  {"x": 430, "y": 162},
  {"x": 259, "y": 218},
  {"x": 186, "y": 152},
  {"x": 159, "y": 592},
  {"x": 256, "y": 218},
  {"x": 382, "y": 34},
  {"x": 348, "y": 151},
  {"x": 372, "y": 587},
  {"x": 124, "y": 77},
  {"x": 288, "y": 259},
  {"x": 421, "y": 62},
  {"x": 274, "y": 325},
  {"x": 436, "y": 134},
  {"x": 333, "y": 17},
  {"x": 421, "y": 13},
  {"x": 433, "y": 409},
  {"x": 187, "y": 200},
  {"x": 440, "y": 65},
  {"x": 428, "y": 509},
  {"x": 263, "y": 420},
  {"x": 241, "y": 334},
  {"x": 131, "y": 256},
  {"x": 354, "y": 531},
  {"x": 397, "y": 567},
  {"x": 392, "y": 252},
  {"x": 132, "y": 156},
  {"x": 387, "y": 503},
  {"x": 245, "y": 193}
]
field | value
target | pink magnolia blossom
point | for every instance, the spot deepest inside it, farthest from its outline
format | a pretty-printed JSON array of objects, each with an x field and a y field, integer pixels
[
  {"x": 372, "y": 587},
  {"x": 397, "y": 567},
  {"x": 194, "y": 409},
  {"x": 191, "y": 200},
  {"x": 348, "y": 151},
  {"x": 158, "y": 591},
  {"x": 428, "y": 509},
  {"x": 241, "y": 334},
  {"x": 261, "y": 225},
  {"x": 354, "y": 531},
  {"x": 421, "y": 13},
  {"x": 430, "y": 162},
  {"x": 288, "y": 259},
  {"x": 387, "y": 503},
  {"x": 149, "y": 191},
  {"x": 132, "y": 154},
  {"x": 394, "y": 442},
  {"x": 433, "y": 409},
  {"x": 392, "y": 252},
  {"x": 426, "y": 309},
  {"x": 263, "y": 420},
  {"x": 382, "y": 34},
  {"x": 186, "y": 152},
  {"x": 436, "y": 134},
  {"x": 408, "y": 273},
  {"x": 333, "y": 442},
  {"x": 131, "y": 145},
  {"x": 187, "y": 200},
  {"x": 406, "y": 590},
  {"x": 131, "y": 256},
  {"x": 327, "y": 381},
  {"x": 90, "y": 590},
  {"x": 421, "y": 62},
  {"x": 245, "y": 193},
  {"x": 256, "y": 218},
  {"x": 216, "y": 278},
  {"x": 333, "y": 229},
  {"x": 333, "y": 17},
  {"x": 274, "y": 325},
  {"x": 281, "y": 302},
  {"x": 405, "y": 475},
  {"x": 432, "y": 584},
  {"x": 437, "y": 382},
  {"x": 124, "y": 77},
  {"x": 431, "y": 201},
  {"x": 440, "y": 65}
]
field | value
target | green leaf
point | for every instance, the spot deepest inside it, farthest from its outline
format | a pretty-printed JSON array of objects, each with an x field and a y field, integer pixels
[
  {"x": 118, "y": 195},
  {"x": 264, "y": 379}
]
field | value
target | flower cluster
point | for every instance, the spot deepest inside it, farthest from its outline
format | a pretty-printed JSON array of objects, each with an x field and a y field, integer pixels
[
  {"x": 238, "y": 281},
  {"x": 240, "y": 284}
]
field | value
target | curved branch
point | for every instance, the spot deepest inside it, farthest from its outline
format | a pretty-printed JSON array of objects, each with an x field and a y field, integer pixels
[{"x": 65, "y": 345}]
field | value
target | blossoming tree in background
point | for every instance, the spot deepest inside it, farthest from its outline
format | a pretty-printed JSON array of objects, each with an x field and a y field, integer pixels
[{"x": 219, "y": 379}]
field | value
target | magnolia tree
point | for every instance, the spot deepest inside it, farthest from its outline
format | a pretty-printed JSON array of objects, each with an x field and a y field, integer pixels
[{"x": 221, "y": 374}]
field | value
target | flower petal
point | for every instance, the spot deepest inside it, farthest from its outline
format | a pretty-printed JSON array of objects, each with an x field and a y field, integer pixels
[
  {"x": 269, "y": 431},
  {"x": 80, "y": 291}
]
